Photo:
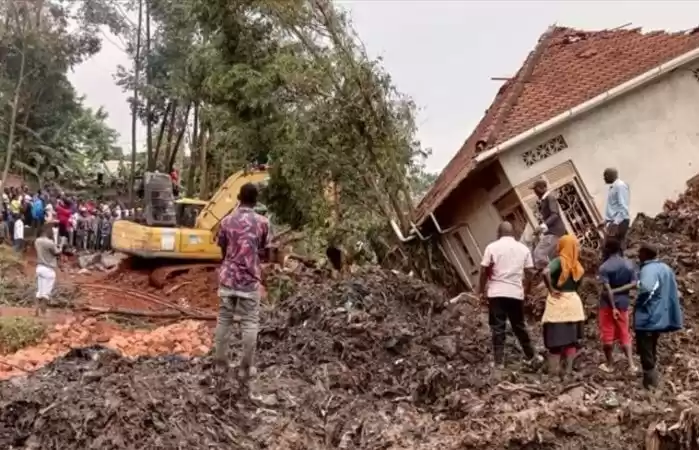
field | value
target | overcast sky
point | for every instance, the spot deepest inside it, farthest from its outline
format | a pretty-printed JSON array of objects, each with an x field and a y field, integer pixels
[{"x": 441, "y": 52}]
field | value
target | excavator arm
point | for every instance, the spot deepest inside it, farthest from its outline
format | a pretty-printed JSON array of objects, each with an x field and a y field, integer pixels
[{"x": 225, "y": 199}]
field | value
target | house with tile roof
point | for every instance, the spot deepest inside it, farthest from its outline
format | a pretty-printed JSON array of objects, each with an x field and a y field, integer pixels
[{"x": 581, "y": 102}]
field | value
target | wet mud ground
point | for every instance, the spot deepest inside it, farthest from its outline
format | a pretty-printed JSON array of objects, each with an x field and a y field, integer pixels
[{"x": 377, "y": 360}]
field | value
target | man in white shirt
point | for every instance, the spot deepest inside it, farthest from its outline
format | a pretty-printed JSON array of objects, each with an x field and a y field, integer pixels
[
  {"x": 18, "y": 234},
  {"x": 505, "y": 280}
]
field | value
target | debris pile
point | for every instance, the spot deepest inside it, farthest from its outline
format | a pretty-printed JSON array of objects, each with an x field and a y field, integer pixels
[
  {"x": 187, "y": 338},
  {"x": 102, "y": 261},
  {"x": 374, "y": 360},
  {"x": 95, "y": 398}
]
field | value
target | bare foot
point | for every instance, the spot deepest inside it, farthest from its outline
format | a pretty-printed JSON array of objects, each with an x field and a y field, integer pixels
[{"x": 604, "y": 367}]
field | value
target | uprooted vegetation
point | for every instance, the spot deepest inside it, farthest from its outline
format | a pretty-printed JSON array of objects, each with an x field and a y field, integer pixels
[{"x": 374, "y": 360}]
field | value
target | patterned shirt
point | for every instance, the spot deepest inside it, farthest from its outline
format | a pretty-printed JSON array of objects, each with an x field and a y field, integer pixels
[{"x": 242, "y": 236}]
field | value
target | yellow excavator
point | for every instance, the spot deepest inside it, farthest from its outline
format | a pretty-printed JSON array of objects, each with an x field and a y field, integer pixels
[{"x": 179, "y": 229}]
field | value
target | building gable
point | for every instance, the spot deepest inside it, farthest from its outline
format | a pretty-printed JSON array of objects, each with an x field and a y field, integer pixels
[{"x": 567, "y": 68}]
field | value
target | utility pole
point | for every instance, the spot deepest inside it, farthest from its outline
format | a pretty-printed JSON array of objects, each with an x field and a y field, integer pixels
[
  {"x": 149, "y": 79},
  {"x": 134, "y": 105}
]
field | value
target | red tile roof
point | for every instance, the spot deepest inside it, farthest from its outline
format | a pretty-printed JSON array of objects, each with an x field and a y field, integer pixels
[{"x": 566, "y": 68}]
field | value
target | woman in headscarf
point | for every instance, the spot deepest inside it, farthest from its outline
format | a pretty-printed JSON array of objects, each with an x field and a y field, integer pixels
[{"x": 564, "y": 314}]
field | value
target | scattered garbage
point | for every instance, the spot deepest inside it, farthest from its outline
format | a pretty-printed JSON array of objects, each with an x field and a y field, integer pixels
[{"x": 373, "y": 360}]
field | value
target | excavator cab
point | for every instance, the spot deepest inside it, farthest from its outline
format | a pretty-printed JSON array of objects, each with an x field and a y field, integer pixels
[
  {"x": 158, "y": 200},
  {"x": 187, "y": 210}
]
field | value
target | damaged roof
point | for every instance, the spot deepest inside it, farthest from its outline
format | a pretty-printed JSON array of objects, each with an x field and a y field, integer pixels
[{"x": 566, "y": 68}]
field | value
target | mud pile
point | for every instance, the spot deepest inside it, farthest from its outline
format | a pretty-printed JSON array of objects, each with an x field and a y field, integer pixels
[
  {"x": 94, "y": 398},
  {"x": 675, "y": 233},
  {"x": 377, "y": 360},
  {"x": 193, "y": 289}
]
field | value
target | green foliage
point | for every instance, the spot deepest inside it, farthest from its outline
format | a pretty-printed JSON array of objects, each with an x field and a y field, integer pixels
[
  {"x": 19, "y": 332},
  {"x": 53, "y": 135},
  {"x": 288, "y": 83}
]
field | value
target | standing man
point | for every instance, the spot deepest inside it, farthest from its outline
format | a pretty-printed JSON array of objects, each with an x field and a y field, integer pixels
[
  {"x": 18, "y": 234},
  {"x": 614, "y": 273},
  {"x": 505, "y": 280},
  {"x": 63, "y": 215},
  {"x": 47, "y": 253},
  {"x": 244, "y": 238},
  {"x": 657, "y": 310},
  {"x": 616, "y": 212},
  {"x": 551, "y": 228},
  {"x": 38, "y": 212}
]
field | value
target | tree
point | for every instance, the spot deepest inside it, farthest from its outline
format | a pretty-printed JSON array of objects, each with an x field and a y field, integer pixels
[
  {"x": 289, "y": 83},
  {"x": 47, "y": 129}
]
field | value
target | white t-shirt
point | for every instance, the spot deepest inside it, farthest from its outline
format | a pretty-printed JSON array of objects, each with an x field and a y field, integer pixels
[
  {"x": 508, "y": 259},
  {"x": 19, "y": 229}
]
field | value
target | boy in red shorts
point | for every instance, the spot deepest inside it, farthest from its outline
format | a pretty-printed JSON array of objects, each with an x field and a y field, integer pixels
[{"x": 618, "y": 276}]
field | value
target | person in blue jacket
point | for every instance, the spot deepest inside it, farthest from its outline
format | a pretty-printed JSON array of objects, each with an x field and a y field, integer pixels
[
  {"x": 37, "y": 210},
  {"x": 657, "y": 310}
]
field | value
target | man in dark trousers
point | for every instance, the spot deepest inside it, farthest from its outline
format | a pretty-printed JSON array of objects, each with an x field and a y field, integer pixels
[
  {"x": 657, "y": 310},
  {"x": 551, "y": 227},
  {"x": 616, "y": 213},
  {"x": 505, "y": 280}
]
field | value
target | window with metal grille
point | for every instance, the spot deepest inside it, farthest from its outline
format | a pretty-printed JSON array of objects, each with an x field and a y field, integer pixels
[{"x": 543, "y": 151}]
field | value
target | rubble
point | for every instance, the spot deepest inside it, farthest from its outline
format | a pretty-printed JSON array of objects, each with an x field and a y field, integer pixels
[
  {"x": 103, "y": 261},
  {"x": 373, "y": 360},
  {"x": 187, "y": 338}
]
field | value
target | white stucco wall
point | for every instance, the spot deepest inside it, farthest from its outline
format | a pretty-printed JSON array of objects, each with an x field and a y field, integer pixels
[{"x": 650, "y": 135}]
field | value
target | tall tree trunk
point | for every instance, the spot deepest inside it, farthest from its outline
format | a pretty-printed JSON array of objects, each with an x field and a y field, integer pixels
[
  {"x": 134, "y": 105},
  {"x": 170, "y": 132},
  {"x": 205, "y": 137},
  {"x": 149, "y": 106},
  {"x": 13, "y": 117},
  {"x": 221, "y": 172},
  {"x": 178, "y": 141},
  {"x": 158, "y": 144},
  {"x": 193, "y": 152}
]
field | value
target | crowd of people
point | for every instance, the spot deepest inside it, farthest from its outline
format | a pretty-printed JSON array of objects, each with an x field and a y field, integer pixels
[
  {"x": 59, "y": 223},
  {"x": 74, "y": 223},
  {"x": 509, "y": 270}
]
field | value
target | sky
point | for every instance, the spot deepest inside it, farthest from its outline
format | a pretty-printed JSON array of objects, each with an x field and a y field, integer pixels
[{"x": 442, "y": 53}]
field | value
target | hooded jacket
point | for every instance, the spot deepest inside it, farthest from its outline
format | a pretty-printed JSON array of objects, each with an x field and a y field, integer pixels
[{"x": 658, "y": 303}]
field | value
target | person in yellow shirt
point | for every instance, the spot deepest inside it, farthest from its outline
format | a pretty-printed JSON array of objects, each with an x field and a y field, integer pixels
[
  {"x": 15, "y": 205},
  {"x": 15, "y": 208}
]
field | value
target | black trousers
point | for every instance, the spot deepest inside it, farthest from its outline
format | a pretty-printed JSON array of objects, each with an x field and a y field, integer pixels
[
  {"x": 621, "y": 232},
  {"x": 647, "y": 349},
  {"x": 502, "y": 309}
]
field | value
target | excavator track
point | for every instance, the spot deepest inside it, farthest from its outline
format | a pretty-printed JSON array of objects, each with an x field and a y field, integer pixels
[{"x": 158, "y": 277}]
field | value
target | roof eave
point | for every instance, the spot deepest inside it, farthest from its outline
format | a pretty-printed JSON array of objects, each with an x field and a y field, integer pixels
[{"x": 566, "y": 116}]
